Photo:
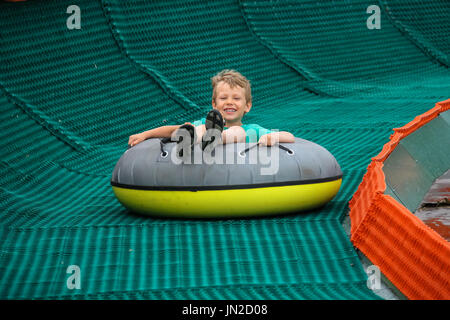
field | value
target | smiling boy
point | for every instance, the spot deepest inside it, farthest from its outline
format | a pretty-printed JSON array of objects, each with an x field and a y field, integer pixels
[{"x": 232, "y": 98}]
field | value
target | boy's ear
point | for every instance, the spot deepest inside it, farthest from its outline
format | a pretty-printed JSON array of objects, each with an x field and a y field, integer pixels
[
  {"x": 213, "y": 103},
  {"x": 248, "y": 106}
]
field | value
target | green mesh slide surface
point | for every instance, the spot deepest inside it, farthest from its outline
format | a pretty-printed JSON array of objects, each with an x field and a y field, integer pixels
[{"x": 69, "y": 100}]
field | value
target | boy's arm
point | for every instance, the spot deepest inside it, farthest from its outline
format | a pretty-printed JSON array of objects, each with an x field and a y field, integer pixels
[
  {"x": 160, "y": 132},
  {"x": 272, "y": 138},
  {"x": 233, "y": 135}
]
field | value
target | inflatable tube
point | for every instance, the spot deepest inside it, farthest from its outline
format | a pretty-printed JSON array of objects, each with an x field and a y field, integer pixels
[{"x": 236, "y": 180}]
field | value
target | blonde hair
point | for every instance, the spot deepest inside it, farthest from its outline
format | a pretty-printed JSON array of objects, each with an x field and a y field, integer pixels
[{"x": 233, "y": 78}]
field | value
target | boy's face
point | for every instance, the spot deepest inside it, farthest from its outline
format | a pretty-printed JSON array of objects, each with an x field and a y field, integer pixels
[{"x": 231, "y": 103}]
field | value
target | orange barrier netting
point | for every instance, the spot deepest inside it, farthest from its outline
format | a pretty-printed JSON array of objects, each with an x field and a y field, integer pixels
[{"x": 410, "y": 254}]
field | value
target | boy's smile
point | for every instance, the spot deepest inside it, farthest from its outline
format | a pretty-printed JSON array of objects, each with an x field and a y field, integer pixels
[{"x": 231, "y": 103}]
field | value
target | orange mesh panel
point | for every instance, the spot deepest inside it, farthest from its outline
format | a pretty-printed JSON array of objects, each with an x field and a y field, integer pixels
[
  {"x": 411, "y": 255},
  {"x": 373, "y": 183},
  {"x": 414, "y": 258},
  {"x": 445, "y": 105}
]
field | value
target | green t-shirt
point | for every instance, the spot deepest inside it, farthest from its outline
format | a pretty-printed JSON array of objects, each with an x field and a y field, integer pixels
[{"x": 253, "y": 131}]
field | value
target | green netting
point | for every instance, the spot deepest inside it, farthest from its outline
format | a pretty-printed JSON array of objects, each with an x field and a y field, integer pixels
[
  {"x": 330, "y": 44},
  {"x": 425, "y": 24},
  {"x": 70, "y": 98}
]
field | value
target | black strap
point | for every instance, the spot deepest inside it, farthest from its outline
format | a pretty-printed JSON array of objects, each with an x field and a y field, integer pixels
[
  {"x": 247, "y": 149},
  {"x": 162, "y": 142},
  {"x": 279, "y": 145},
  {"x": 285, "y": 149}
]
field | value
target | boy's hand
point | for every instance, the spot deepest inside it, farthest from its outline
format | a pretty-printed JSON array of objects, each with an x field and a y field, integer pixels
[
  {"x": 276, "y": 137},
  {"x": 269, "y": 139},
  {"x": 135, "y": 139}
]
